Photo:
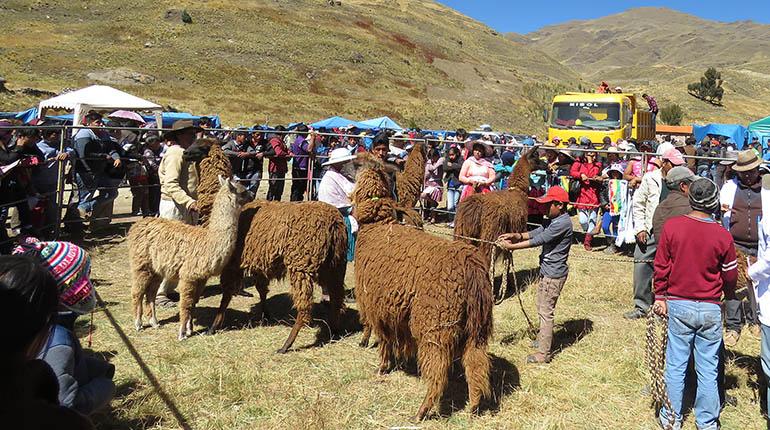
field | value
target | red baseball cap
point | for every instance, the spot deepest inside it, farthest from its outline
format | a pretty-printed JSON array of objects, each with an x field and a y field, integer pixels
[{"x": 554, "y": 194}]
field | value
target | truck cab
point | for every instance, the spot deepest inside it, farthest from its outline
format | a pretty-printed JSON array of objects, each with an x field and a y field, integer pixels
[{"x": 598, "y": 115}]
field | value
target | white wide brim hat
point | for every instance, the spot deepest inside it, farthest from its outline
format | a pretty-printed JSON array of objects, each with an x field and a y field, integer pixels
[{"x": 339, "y": 155}]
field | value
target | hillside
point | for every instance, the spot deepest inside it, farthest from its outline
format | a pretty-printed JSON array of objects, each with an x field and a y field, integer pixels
[
  {"x": 661, "y": 50},
  {"x": 283, "y": 60}
]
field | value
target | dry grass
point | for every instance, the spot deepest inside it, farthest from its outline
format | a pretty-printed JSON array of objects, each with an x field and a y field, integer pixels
[{"x": 235, "y": 379}]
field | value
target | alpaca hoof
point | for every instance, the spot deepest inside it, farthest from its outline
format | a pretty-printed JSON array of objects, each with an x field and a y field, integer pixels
[
  {"x": 364, "y": 343},
  {"x": 138, "y": 325},
  {"x": 154, "y": 323},
  {"x": 282, "y": 351}
]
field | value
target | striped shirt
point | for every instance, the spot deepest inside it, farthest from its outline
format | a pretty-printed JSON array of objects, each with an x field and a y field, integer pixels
[{"x": 695, "y": 260}]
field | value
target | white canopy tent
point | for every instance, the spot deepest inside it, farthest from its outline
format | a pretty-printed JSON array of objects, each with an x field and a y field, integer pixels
[{"x": 97, "y": 97}]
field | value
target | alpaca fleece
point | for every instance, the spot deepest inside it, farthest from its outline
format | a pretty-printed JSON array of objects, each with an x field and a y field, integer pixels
[
  {"x": 160, "y": 248},
  {"x": 487, "y": 216},
  {"x": 305, "y": 241},
  {"x": 421, "y": 295},
  {"x": 215, "y": 164},
  {"x": 409, "y": 182}
]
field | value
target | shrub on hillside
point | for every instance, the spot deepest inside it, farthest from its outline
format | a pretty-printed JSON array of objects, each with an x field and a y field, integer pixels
[
  {"x": 672, "y": 114},
  {"x": 709, "y": 88}
]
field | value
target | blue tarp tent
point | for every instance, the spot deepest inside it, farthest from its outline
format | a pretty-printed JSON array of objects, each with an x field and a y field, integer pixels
[
  {"x": 761, "y": 130},
  {"x": 735, "y": 132},
  {"x": 170, "y": 117},
  {"x": 382, "y": 123},
  {"x": 337, "y": 122}
]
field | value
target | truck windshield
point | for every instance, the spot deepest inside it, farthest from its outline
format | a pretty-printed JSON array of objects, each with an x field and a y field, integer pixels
[{"x": 586, "y": 115}]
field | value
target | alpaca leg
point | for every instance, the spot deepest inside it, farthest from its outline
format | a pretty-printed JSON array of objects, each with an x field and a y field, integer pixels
[
  {"x": 186, "y": 302},
  {"x": 365, "y": 337},
  {"x": 476, "y": 364},
  {"x": 435, "y": 362},
  {"x": 302, "y": 296},
  {"x": 152, "y": 292},
  {"x": 261, "y": 285},
  {"x": 387, "y": 361},
  {"x": 230, "y": 279},
  {"x": 332, "y": 281},
  {"x": 336, "y": 300},
  {"x": 139, "y": 290}
]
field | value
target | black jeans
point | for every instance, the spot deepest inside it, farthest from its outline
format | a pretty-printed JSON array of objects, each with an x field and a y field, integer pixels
[
  {"x": 275, "y": 186},
  {"x": 298, "y": 184}
]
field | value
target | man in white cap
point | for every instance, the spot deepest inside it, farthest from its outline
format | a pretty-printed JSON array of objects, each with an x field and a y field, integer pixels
[{"x": 335, "y": 188}]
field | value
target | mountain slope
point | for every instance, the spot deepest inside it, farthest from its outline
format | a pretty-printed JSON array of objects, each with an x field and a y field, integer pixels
[
  {"x": 284, "y": 60},
  {"x": 661, "y": 50}
]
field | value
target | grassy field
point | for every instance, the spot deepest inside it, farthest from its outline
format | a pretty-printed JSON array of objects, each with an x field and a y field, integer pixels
[{"x": 235, "y": 380}]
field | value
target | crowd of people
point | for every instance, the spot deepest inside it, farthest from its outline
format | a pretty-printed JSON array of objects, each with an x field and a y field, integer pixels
[{"x": 650, "y": 199}]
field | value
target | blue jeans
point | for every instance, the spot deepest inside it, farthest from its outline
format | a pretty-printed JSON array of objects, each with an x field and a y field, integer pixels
[
  {"x": 610, "y": 224},
  {"x": 587, "y": 218},
  {"x": 452, "y": 197},
  {"x": 694, "y": 326},
  {"x": 87, "y": 189},
  {"x": 764, "y": 354}
]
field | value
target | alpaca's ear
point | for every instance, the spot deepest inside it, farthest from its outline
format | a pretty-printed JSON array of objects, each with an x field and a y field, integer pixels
[{"x": 222, "y": 180}]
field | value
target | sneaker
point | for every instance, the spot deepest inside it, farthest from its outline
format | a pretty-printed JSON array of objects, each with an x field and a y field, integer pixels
[
  {"x": 164, "y": 302},
  {"x": 610, "y": 249},
  {"x": 731, "y": 338},
  {"x": 635, "y": 314}
]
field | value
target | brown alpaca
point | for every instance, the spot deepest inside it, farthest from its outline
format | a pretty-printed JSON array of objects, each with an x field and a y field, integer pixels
[
  {"x": 409, "y": 182},
  {"x": 416, "y": 306},
  {"x": 160, "y": 248},
  {"x": 305, "y": 242},
  {"x": 216, "y": 164},
  {"x": 487, "y": 216}
]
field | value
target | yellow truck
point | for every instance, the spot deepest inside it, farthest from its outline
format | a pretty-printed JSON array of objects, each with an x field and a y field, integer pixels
[{"x": 595, "y": 116}]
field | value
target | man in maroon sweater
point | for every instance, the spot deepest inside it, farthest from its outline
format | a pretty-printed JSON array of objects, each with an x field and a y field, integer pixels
[{"x": 695, "y": 265}]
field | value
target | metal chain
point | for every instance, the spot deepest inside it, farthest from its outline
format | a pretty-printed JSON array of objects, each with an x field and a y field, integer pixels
[{"x": 655, "y": 358}]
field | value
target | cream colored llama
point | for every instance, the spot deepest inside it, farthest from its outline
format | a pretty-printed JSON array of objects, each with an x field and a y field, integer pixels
[{"x": 161, "y": 248}]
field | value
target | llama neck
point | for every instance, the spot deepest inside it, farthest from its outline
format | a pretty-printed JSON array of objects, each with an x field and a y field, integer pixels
[
  {"x": 519, "y": 178},
  {"x": 223, "y": 224}
]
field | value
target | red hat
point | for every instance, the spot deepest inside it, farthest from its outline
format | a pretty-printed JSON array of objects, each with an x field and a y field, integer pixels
[{"x": 554, "y": 194}]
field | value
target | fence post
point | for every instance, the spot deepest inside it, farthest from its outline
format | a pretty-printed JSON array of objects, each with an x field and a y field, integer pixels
[{"x": 60, "y": 185}]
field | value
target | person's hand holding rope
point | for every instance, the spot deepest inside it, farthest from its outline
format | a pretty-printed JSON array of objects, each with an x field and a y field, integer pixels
[{"x": 660, "y": 307}]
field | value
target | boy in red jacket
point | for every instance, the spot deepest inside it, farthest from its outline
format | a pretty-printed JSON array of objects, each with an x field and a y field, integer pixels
[{"x": 695, "y": 266}]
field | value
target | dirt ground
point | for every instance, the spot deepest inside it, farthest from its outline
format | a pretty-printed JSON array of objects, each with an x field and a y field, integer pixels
[{"x": 235, "y": 380}]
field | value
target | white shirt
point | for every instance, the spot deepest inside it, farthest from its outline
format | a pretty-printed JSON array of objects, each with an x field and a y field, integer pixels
[{"x": 335, "y": 189}]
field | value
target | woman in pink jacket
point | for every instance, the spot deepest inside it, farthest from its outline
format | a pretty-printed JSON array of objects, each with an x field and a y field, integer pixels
[
  {"x": 587, "y": 171},
  {"x": 477, "y": 173}
]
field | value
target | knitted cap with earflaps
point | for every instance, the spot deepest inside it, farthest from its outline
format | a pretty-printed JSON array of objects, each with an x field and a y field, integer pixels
[
  {"x": 70, "y": 266},
  {"x": 704, "y": 196}
]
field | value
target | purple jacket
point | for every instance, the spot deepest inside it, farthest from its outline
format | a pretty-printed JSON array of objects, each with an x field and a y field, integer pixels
[{"x": 299, "y": 147}]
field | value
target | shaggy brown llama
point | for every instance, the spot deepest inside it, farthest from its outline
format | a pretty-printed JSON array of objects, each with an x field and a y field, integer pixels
[
  {"x": 305, "y": 242},
  {"x": 487, "y": 216},
  {"x": 161, "y": 248},
  {"x": 409, "y": 183},
  {"x": 414, "y": 305}
]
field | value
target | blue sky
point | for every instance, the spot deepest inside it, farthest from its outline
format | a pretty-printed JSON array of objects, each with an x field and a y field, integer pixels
[{"x": 528, "y": 15}]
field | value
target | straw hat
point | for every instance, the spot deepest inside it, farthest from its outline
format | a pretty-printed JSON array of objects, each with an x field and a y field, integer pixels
[{"x": 747, "y": 160}]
